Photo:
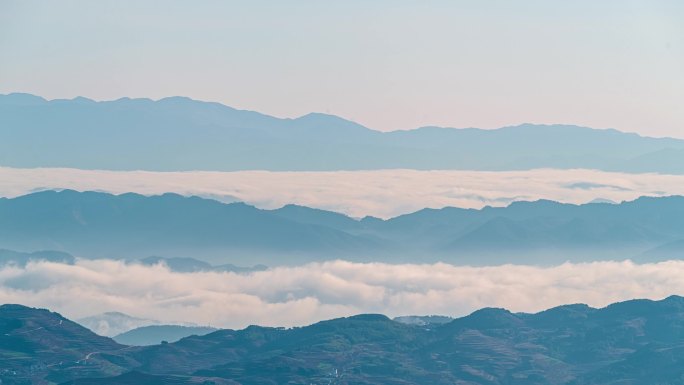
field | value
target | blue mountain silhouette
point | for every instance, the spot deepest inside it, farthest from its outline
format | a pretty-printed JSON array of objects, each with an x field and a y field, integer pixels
[{"x": 179, "y": 133}]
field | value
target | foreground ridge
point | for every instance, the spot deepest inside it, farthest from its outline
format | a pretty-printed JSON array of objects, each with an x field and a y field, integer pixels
[{"x": 631, "y": 342}]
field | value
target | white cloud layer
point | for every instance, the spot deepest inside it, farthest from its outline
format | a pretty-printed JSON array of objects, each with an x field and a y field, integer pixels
[
  {"x": 383, "y": 193},
  {"x": 287, "y": 296}
]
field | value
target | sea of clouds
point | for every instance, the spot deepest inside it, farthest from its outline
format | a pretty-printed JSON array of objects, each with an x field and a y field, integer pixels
[
  {"x": 290, "y": 296},
  {"x": 382, "y": 193},
  {"x": 300, "y": 295}
]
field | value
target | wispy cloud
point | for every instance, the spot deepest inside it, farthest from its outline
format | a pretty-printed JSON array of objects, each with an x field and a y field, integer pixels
[
  {"x": 304, "y": 294},
  {"x": 383, "y": 193}
]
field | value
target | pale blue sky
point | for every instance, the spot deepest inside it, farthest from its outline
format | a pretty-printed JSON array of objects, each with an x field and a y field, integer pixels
[{"x": 386, "y": 64}]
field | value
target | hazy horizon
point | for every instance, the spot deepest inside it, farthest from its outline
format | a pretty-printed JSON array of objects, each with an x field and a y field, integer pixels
[
  {"x": 387, "y": 65},
  {"x": 267, "y": 113}
]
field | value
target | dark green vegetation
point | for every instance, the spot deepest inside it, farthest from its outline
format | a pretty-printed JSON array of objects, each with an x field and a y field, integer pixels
[
  {"x": 37, "y": 346},
  {"x": 178, "y": 133},
  {"x": 156, "y": 334},
  {"x": 636, "y": 342},
  {"x": 543, "y": 232}
]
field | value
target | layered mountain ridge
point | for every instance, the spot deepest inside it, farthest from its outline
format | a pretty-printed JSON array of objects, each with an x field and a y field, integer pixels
[{"x": 130, "y": 226}]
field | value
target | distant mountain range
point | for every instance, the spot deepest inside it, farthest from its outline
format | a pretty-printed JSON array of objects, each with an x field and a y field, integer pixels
[
  {"x": 128, "y": 330},
  {"x": 92, "y": 224},
  {"x": 16, "y": 258},
  {"x": 113, "y": 323},
  {"x": 175, "y": 264},
  {"x": 182, "y": 134},
  {"x": 157, "y": 334},
  {"x": 638, "y": 342},
  {"x": 192, "y": 265}
]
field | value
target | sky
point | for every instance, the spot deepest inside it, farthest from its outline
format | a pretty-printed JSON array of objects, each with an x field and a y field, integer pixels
[{"x": 387, "y": 64}]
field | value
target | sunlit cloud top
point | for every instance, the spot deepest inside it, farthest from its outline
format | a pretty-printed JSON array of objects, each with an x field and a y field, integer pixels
[
  {"x": 300, "y": 295},
  {"x": 382, "y": 193}
]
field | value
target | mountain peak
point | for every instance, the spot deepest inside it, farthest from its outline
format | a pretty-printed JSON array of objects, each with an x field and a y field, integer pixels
[
  {"x": 177, "y": 99},
  {"x": 489, "y": 318},
  {"x": 369, "y": 317},
  {"x": 322, "y": 120},
  {"x": 320, "y": 116},
  {"x": 19, "y": 99},
  {"x": 81, "y": 100},
  {"x": 15, "y": 307}
]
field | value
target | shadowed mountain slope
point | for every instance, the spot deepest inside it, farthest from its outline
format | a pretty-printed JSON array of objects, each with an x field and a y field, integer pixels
[
  {"x": 128, "y": 225},
  {"x": 632, "y": 342},
  {"x": 94, "y": 224},
  {"x": 38, "y": 346}
]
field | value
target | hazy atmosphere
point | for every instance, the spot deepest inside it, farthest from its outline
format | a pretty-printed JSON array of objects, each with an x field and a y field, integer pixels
[
  {"x": 390, "y": 192},
  {"x": 385, "y": 64}
]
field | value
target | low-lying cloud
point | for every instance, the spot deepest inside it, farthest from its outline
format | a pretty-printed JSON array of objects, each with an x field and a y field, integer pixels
[
  {"x": 382, "y": 193},
  {"x": 288, "y": 296}
]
